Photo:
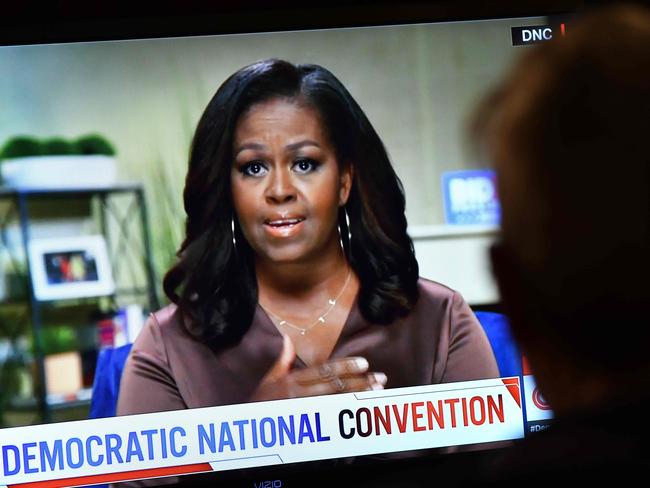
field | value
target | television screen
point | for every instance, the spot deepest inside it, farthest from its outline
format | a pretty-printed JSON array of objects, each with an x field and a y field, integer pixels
[{"x": 297, "y": 229}]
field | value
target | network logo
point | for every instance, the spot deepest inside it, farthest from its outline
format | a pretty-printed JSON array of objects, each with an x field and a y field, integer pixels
[
  {"x": 539, "y": 400},
  {"x": 534, "y": 34}
]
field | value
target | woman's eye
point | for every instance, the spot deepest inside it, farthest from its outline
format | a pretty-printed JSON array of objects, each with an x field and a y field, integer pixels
[
  {"x": 305, "y": 165},
  {"x": 254, "y": 168}
]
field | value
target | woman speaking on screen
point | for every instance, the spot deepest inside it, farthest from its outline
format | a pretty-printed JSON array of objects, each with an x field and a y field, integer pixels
[{"x": 296, "y": 276}]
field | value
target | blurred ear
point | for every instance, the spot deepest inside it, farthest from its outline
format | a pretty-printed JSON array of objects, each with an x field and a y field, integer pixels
[{"x": 345, "y": 183}]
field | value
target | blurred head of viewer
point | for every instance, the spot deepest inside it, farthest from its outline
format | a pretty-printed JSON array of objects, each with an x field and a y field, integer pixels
[{"x": 568, "y": 133}]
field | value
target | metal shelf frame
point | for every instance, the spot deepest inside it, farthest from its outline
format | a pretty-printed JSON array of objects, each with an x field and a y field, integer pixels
[{"x": 118, "y": 242}]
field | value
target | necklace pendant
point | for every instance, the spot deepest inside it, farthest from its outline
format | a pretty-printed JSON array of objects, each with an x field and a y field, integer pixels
[{"x": 303, "y": 331}]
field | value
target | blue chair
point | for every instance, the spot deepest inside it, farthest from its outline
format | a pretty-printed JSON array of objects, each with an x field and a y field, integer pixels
[
  {"x": 106, "y": 386},
  {"x": 505, "y": 348}
]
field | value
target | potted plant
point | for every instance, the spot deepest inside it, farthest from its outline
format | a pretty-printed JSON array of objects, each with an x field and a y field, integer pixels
[{"x": 30, "y": 163}]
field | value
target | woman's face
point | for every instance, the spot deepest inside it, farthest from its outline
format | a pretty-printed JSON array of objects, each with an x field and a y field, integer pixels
[{"x": 286, "y": 182}]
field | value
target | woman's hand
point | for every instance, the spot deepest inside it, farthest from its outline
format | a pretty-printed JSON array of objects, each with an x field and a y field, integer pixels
[{"x": 335, "y": 376}]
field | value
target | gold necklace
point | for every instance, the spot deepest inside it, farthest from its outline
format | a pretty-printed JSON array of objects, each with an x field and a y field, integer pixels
[{"x": 321, "y": 318}]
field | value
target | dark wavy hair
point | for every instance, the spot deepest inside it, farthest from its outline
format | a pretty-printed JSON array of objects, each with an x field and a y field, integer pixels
[{"x": 213, "y": 283}]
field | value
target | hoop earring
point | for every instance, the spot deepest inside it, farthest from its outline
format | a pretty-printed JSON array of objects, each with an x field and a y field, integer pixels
[
  {"x": 347, "y": 223},
  {"x": 232, "y": 228}
]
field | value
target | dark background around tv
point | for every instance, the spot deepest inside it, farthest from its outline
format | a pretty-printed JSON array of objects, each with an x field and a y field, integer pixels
[{"x": 74, "y": 20}]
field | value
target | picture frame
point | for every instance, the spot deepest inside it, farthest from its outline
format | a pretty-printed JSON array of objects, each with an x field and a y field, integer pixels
[{"x": 70, "y": 267}]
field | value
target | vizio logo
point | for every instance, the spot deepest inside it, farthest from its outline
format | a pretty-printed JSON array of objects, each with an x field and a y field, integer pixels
[{"x": 268, "y": 484}]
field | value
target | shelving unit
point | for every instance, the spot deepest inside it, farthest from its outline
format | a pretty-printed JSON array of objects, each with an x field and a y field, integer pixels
[{"x": 118, "y": 212}]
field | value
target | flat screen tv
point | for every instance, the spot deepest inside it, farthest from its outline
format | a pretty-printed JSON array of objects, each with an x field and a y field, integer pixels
[{"x": 326, "y": 312}]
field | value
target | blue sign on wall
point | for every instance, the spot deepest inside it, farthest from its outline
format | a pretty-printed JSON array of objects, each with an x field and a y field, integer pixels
[{"x": 470, "y": 197}]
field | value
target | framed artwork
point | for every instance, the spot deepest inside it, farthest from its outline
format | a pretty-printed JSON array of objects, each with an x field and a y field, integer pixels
[{"x": 70, "y": 267}]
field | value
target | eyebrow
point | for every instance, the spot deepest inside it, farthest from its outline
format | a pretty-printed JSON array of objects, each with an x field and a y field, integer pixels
[
  {"x": 300, "y": 144},
  {"x": 291, "y": 147}
]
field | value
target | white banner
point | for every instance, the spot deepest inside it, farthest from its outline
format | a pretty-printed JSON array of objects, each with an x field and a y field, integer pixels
[{"x": 263, "y": 433}]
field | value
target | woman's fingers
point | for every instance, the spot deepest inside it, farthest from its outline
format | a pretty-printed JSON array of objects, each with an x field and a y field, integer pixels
[
  {"x": 338, "y": 384},
  {"x": 336, "y": 376},
  {"x": 341, "y": 368}
]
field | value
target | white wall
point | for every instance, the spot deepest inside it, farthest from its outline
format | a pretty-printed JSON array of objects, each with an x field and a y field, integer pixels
[{"x": 458, "y": 258}]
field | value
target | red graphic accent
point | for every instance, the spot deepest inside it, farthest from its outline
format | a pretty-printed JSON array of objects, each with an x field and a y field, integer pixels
[
  {"x": 562, "y": 29},
  {"x": 512, "y": 384},
  {"x": 525, "y": 366},
  {"x": 113, "y": 477},
  {"x": 539, "y": 401}
]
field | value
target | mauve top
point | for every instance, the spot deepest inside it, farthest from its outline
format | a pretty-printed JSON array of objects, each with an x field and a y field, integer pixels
[{"x": 439, "y": 341}]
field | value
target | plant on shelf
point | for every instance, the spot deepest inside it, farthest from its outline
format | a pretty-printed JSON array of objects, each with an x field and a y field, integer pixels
[
  {"x": 14, "y": 375},
  {"x": 57, "y": 162},
  {"x": 21, "y": 147},
  {"x": 94, "y": 144},
  {"x": 58, "y": 146},
  {"x": 26, "y": 146},
  {"x": 11, "y": 379},
  {"x": 165, "y": 194}
]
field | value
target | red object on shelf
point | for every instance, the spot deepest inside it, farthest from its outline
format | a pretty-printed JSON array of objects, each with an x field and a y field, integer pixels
[{"x": 106, "y": 329}]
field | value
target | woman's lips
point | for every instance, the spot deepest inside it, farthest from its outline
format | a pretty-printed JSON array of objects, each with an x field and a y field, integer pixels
[
  {"x": 285, "y": 227},
  {"x": 285, "y": 221}
]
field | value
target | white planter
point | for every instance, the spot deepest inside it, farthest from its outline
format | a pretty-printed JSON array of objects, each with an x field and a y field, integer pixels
[{"x": 52, "y": 172}]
